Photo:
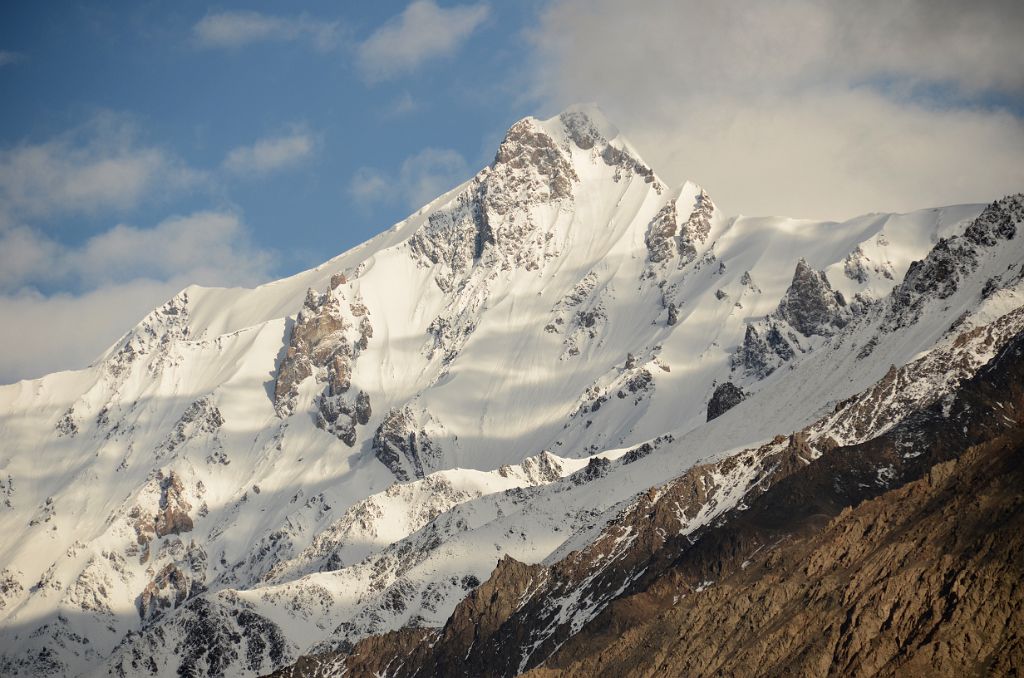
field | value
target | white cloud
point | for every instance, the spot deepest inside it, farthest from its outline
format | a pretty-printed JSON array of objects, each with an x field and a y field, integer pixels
[
  {"x": 403, "y": 105},
  {"x": 124, "y": 273},
  {"x": 7, "y": 57},
  {"x": 369, "y": 185},
  {"x": 430, "y": 173},
  {"x": 211, "y": 247},
  {"x": 421, "y": 178},
  {"x": 229, "y": 30},
  {"x": 423, "y": 31},
  {"x": 800, "y": 107},
  {"x": 268, "y": 155},
  {"x": 23, "y": 254},
  {"x": 42, "y": 334},
  {"x": 98, "y": 166}
]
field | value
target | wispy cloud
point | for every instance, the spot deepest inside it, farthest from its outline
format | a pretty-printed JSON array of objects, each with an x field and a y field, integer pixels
[
  {"x": 370, "y": 185},
  {"x": 227, "y": 30},
  {"x": 421, "y": 178},
  {"x": 270, "y": 154},
  {"x": 209, "y": 246},
  {"x": 7, "y": 57},
  {"x": 422, "y": 32},
  {"x": 878, "y": 106},
  {"x": 101, "y": 165},
  {"x": 60, "y": 303},
  {"x": 403, "y": 105},
  {"x": 119, "y": 276}
]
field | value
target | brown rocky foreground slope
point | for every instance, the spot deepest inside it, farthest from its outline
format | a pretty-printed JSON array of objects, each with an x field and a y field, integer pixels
[
  {"x": 924, "y": 580},
  {"x": 901, "y": 555}
]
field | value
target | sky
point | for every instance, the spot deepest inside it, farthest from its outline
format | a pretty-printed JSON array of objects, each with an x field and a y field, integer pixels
[{"x": 146, "y": 146}]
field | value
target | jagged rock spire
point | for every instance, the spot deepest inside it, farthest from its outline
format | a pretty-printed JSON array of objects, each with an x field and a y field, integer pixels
[{"x": 811, "y": 306}]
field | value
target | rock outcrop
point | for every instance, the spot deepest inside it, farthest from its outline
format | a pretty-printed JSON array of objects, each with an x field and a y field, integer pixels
[
  {"x": 170, "y": 588},
  {"x": 666, "y": 237},
  {"x": 330, "y": 332},
  {"x": 173, "y": 517},
  {"x": 810, "y": 305},
  {"x": 696, "y": 229},
  {"x": 403, "y": 446},
  {"x": 661, "y": 234},
  {"x": 726, "y": 396},
  {"x": 939, "y": 275},
  {"x": 761, "y": 354}
]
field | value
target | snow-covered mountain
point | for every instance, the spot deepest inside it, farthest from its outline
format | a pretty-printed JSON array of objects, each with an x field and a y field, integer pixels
[{"x": 254, "y": 475}]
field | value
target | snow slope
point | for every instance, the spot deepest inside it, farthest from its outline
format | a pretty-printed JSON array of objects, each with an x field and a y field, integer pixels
[{"x": 350, "y": 449}]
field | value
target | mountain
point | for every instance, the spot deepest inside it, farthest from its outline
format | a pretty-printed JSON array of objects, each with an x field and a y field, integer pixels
[{"x": 498, "y": 430}]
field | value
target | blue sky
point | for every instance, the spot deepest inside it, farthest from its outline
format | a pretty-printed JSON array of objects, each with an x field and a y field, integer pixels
[
  {"x": 199, "y": 97},
  {"x": 145, "y": 146}
]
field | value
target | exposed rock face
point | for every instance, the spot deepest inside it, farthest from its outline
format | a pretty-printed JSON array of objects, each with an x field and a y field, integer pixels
[
  {"x": 339, "y": 415},
  {"x": 673, "y": 314},
  {"x": 726, "y": 396},
  {"x": 454, "y": 237},
  {"x": 748, "y": 281},
  {"x": 450, "y": 332},
  {"x": 855, "y": 265},
  {"x": 318, "y": 330},
  {"x": 666, "y": 237},
  {"x": 582, "y": 131},
  {"x": 213, "y": 638},
  {"x": 935, "y": 277},
  {"x": 10, "y": 587},
  {"x": 760, "y": 355},
  {"x": 162, "y": 510},
  {"x": 330, "y": 332},
  {"x": 481, "y": 616},
  {"x": 169, "y": 588},
  {"x": 531, "y": 164},
  {"x": 580, "y": 316},
  {"x": 543, "y": 468},
  {"x": 938, "y": 276},
  {"x": 173, "y": 517},
  {"x": 810, "y": 306},
  {"x": 528, "y": 169},
  {"x": 896, "y": 586},
  {"x": 406, "y": 451},
  {"x": 997, "y": 222},
  {"x": 302, "y": 534},
  {"x": 66, "y": 425},
  {"x": 697, "y": 227},
  {"x": 154, "y": 338},
  {"x": 492, "y": 222},
  {"x": 201, "y": 417},
  {"x": 660, "y": 234}
]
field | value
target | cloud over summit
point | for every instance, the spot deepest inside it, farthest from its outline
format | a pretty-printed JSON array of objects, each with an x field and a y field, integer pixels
[{"x": 799, "y": 107}]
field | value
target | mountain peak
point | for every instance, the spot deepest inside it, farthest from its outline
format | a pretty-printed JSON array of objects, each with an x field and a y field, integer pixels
[
  {"x": 583, "y": 125},
  {"x": 582, "y": 121}
]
